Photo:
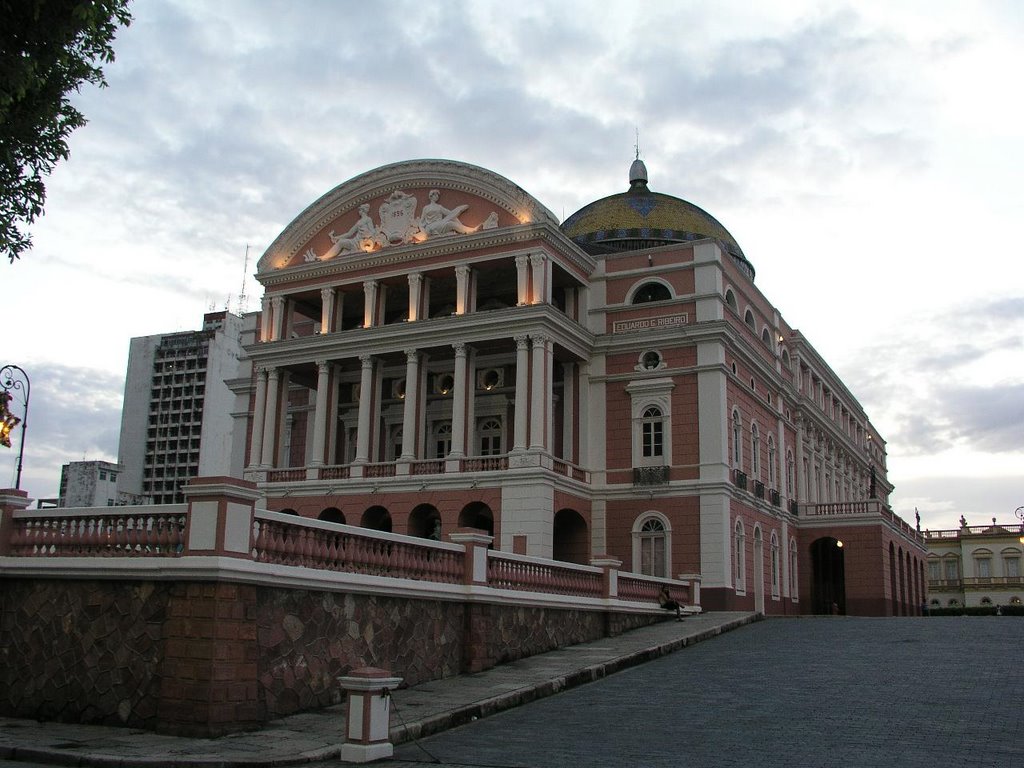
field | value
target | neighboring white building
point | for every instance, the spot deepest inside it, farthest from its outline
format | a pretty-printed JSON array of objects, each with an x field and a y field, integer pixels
[
  {"x": 88, "y": 484},
  {"x": 975, "y": 565},
  {"x": 177, "y": 417}
]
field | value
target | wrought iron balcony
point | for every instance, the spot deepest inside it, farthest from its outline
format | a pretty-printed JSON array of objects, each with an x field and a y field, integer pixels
[{"x": 650, "y": 475}]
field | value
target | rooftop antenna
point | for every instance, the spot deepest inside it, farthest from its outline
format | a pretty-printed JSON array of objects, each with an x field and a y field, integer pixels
[
  {"x": 242, "y": 298},
  {"x": 636, "y": 146}
]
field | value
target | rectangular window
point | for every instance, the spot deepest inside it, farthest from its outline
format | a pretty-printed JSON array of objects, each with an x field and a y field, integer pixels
[
  {"x": 1012, "y": 567},
  {"x": 934, "y": 571},
  {"x": 652, "y": 442},
  {"x": 984, "y": 568},
  {"x": 952, "y": 571}
]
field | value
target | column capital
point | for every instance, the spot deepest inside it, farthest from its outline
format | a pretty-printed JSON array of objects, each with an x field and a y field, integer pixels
[
  {"x": 323, "y": 366},
  {"x": 522, "y": 260},
  {"x": 273, "y": 372},
  {"x": 522, "y": 341},
  {"x": 462, "y": 270},
  {"x": 538, "y": 258},
  {"x": 411, "y": 355},
  {"x": 366, "y": 360},
  {"x": 415, "y": 278},
  {"x": 460, "y": 348},
  {"x": 538, "y": 339},
  {"x": 326, "y": 292}
]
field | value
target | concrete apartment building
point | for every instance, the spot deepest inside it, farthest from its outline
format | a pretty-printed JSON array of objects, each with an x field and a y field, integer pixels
[
  {"x": 434, "y": 347},
  {"x": 88, "y": 484},
  {"x": 177, "y": 419}
]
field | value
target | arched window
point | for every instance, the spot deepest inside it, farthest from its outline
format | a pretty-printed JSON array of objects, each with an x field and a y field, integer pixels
[
  {"x": 790, "y": 467},
  {"x": 653, "y": 432},
  {"x": 755, "y": 451},
  {"x": 785, "y": 357},
  {"x": 490, "y": 437},
  {"x": 651, "y": 292},
  {"x": 650, "y": 546},
  {"x": 748, "y": 318},
  {"x": 776, "y": 566},
  {"x": 766, "y": 337},
  {"x": 737, "y": 439},
  {"x": 771, "y": 461},
  {"x": 739, "y": 555},
  {"x": 730, "y": 299}
]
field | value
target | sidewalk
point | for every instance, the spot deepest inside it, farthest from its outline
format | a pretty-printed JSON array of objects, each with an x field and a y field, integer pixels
[{"x": 415, "y": 712}]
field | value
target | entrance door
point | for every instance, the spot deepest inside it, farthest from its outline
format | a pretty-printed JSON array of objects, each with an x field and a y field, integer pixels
[{"x": 828, "y": 577}]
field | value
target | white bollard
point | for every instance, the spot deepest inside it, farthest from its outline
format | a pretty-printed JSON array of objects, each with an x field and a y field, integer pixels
[{"x": 369, "y": 715}]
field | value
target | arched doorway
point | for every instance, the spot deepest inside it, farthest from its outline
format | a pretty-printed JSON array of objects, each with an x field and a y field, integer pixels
[
  {"x": 571, "y": 540},
  {"x": 332, "y": 515},
  {"x": 377, "y": 518},
  {"x": 477, "y": 515},
  {"x": 828, "y": 577},
  {"x": 425, "y": 522}
]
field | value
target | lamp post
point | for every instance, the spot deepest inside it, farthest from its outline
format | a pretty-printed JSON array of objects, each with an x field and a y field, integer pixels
[
  {"x": 14, "y": 379},
  {"x": 1019, "y": 512}
]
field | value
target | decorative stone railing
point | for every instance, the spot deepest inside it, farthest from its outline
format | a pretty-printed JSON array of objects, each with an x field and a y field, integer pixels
[
  {"x": 221, "y": 520},
  {"x": 508, "y": 571},
  {"x": 104, "y": 532},
  {"x": 484, "y": 464},
  {"x": 286, "y": 475},
  {"x": 285, "y": 540}
]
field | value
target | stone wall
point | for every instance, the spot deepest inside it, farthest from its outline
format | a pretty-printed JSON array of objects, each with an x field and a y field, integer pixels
[
  {"x": 82, "y": 651},
  {"x": 208, "y": 658}
]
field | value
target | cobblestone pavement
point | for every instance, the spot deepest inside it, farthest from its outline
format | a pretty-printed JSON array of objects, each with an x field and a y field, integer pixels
[{"x": 859, "y": 692}]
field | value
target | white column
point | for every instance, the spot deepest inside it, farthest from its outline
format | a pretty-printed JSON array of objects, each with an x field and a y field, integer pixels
[
  {"x": 523, "y": 280},
  {"x": 258, "y": 412},
  {"x": 320, "y": 412},
  {"x": 461, "y": 289},
  {"x": 270, "y": 419},
  {"x": 415, "y": 289},
  {"x": 568, "y": 408},
  {"x": 339, "y": 310},
  {"x": 538, "y": 268},
  {"x": 583, "y": 458},
  {"x": 409, "y": 415},
  {"x": 370, "y": 303},
  {"x": 549, "y": 395},
  {"x": 327, "y": 311},
  {"x": 278, "y": 303},
  {"x": 265, "y": 318},
  {"x": 365, "y": 401},
  {"x": 538, "y": 401},
  {"x": 459, "y": 403},
  {"x": 522, "y": 391}
]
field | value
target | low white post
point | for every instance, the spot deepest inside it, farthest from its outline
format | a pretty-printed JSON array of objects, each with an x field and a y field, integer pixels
[{"x": 369, "y": 714}]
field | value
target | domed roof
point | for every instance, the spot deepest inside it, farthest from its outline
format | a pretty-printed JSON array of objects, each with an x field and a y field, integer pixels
[{"x": 639, "y": 218}]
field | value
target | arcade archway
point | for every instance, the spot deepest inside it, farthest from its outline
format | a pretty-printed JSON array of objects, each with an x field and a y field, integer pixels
[{"x": 828, "y": 577}]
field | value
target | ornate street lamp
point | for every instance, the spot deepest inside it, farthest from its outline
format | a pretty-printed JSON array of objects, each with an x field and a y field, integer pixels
[{"x": 13, "y": 379}]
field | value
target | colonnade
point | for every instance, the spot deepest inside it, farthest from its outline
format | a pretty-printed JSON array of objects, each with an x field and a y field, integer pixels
[{"x": 534, "y": 405}]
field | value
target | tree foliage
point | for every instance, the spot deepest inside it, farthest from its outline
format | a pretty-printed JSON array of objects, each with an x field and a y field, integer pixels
[{"x": 48, "y": 48}]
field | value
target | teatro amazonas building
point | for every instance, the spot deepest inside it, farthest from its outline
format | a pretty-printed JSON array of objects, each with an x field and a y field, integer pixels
[{"x": 435, "y": 350}]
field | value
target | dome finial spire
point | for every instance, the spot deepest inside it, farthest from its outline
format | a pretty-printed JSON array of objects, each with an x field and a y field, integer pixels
[{"x": 637, "y": 171}]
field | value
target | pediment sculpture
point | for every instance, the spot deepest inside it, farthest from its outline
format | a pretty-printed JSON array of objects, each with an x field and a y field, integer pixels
[{"x": 399, "y": 224}]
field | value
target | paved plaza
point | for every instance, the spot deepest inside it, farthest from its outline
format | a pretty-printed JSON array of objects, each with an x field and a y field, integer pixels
[{"x": 806, "y": 692}]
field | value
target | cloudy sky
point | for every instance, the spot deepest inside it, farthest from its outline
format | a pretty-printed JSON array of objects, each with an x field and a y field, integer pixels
[{"x": 867, "y": 157}]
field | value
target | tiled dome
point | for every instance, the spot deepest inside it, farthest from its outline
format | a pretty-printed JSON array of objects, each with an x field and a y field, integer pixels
[{"x": 639, "y": 218}]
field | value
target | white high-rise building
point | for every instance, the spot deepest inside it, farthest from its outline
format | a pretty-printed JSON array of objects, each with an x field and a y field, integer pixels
[
  {"x": 88, "y": 484},
  {"x": 177, "y": 417}
]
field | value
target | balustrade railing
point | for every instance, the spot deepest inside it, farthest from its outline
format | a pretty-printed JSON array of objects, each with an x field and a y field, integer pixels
[
  {"x": 379, "y": 470},
  {"x": 286, "y": 475},
  {"x": 642, "y": 589},
  {"x": 431, "y": 467},
  {"x": 282, "y": 540},
  {"x": 336, "y": 473},
  {"x": 121, "y": 532},
  {"x": 507, "y": 571},
  {"x": 484, "y": 464}
]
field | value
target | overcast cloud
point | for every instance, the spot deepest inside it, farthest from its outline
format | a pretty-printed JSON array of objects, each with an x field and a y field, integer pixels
[{"x": 865, "y": 155}]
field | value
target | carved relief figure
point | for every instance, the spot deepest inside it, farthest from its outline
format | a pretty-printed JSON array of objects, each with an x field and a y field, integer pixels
[
  {"x": 363, "y": 233},
  {"x": 436, "y": 220}
]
